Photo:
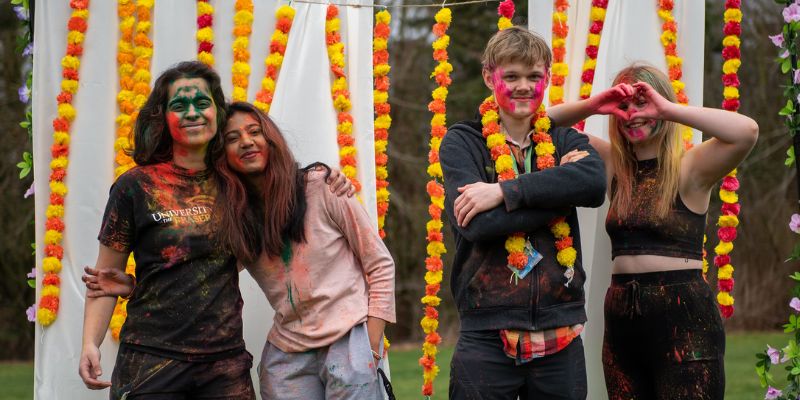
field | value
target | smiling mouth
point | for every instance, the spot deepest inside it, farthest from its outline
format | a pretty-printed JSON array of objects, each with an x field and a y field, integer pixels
[
  {"x": 192, "y": 125},
  {"x": 636, "y": 125},
  {"x": 249, "y": 155}
]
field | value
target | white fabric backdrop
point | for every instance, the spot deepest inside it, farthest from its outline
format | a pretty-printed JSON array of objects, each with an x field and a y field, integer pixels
[
  {"x": 631, "y": 33},
  {"x": 302, "y": 108}
]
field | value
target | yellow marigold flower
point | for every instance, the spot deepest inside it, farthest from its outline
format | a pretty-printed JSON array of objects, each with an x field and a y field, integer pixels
[
  {"x": 560, "y": 230},
  {"x": 380, "y": 96},
  {"x": 383, "y": 122},
  {"x": 542, "y": 125},
  {"x": 75, "y": 37},
  {"x": 206, "y": 58},
  {"x": 504, "y": 23},
  {"x": 205, "y": 34},
  {"x": 381, "y": 69},
  {"x": 515, "y": 244},
  {"x": 139, "y": 100},
  {"x": 431, "y": 301},
  {"x": 58, "y": 188},
  {"x": 677, "y": 85},
  {"x": 725, "y": 272},
  {"x": 429, "y": 349},
  {"x": 70, "y": 62},
  {"x": 204, "y": 8},
  {"x": 705, "y": 266},
  {"x": 731, "y": 66},
  {"x": 341, "y": 103},
  {"x": 61, "y": 137},
  {"x": 489, "y": 116},
  {"x": 440, "y": 93},
  {"x": 544, "y": 148},
  {"x": 124, "y": 47},
  {"x": 731, "y": 40},
  {"x": 556, "y": 93},
  {"x": 117, "y": 320},
  {"x": 52, "y": 237},
  {"x": 274, "y": 59},
  {"x": 268, "y": 84},
  {"x": 593, "y": 39},
  {"x": 443, "y": 67},
  {"x": 345, "y": 128},
  {"x": 69, "y": 85},
  {"x": 51, "y": 264},
  {"x": 382, "y": 194},
  {"x": 332, "y": 25},
  {"x": 45, "y": 316},
  {"x": 444, "y": 16},
  {"x": 122, "y": 169},
  {"x": 586, "y": 90},
  {"x": 438, "y": 201},
  {"x": 285, "y": 12},
  {"x": 441, "y": 43},
  {"x": 380, "y": 44},
  {"x": 347, "y": 151},
  {"x": 121, "y": 143},
  {"x": 558, "y": 42},
  {"x": 504, "y": 163},
  {"x": 495, "y": 139},
  {"x": 383, "y": 17},
  {"x": 434, "y": 225},
  {"x": 567, "y": 257},
  {"x": 725, "y": 299},
  {"x": 733, "y": 14},
  {"x": 666, "y": 15},
  {"x": 435, "y": 249},
  {"x": 241, "y": 43},
  {"x": 142, "y": 75},
  {"x": 728, "y": 221},
  {"x": 280, "y": 37},
  {"x": 589, "y": 64},
  {"x": 723, "y": 248},
  {"x": 439, "y": 119},
  {"x": 243, "y": 17},
  {"x": 349, "y": 171},
  {"x": 239, "y": 94},
  {"x": 559, "y": 17},
  {"x": 674, "y": 61},
  {"x": 66, "y": 111},
  {"x": 143, "y": 26},
  {"x": 146, "y": 3},
  {"x": 431, "y": 374},
  {"x": 59, "y": 163},
  {"x": 50, "y": 290},
  {"x": 598, "y": 14},
  {"x": 264, "y": 107},
  {"x": 728, "y": 196},
  {"x": 435, "y": 143},
  {"x": 433, "y": 277},
  {"x": 340, "y": 84},
  {"x": 337, "y": 59},
  {"x": 560, "y": 68},
  {"x": 435, "y": 170},
  {"x": 381, "y": 173}
]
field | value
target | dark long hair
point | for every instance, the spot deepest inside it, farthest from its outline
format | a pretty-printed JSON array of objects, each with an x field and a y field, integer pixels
[
  {"x": 248, "y": 223},
  {"x": 151, "y": 138}
]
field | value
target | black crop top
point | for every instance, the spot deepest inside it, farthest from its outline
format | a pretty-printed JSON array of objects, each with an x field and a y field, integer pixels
[{"x": 679, "y": 235}]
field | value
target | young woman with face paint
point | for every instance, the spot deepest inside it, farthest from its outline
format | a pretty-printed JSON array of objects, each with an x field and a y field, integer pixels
[
  {"x": 318, "y": 258},
  {"x": 183, "y": 334},
  {"x": 664, "y": 337}
]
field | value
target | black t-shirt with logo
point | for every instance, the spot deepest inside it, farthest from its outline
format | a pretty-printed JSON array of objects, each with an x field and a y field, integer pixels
[{"x": 187, "y": 303}]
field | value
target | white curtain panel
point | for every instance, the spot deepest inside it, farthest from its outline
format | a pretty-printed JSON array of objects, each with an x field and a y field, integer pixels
[
  {"x": 302, "y": 108},
  {"x": 631, "y": 33}
]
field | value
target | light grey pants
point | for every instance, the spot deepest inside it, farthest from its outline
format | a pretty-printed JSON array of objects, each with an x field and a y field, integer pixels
[{"x": 344, "y": 370}]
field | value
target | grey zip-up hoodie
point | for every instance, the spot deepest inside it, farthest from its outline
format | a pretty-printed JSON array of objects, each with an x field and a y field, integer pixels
[{"x": 486, "y": 296}]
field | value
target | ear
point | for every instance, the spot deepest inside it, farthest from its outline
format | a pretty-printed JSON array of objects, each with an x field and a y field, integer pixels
[{"x": 488, "y": 78}]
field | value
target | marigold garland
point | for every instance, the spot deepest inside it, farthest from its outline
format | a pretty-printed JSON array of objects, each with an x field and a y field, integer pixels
[
  {"x": 205, "y": 32},
  {"x": 242, "y": 27},
  {"x": 435, "y": 247},
  {"x": 728, "y": 219},
  {"x": 506, "y": 12},
  {"x": 380, "y": 73},
  {"x": 341, "y": 97},
  {"x": 277, "y": 49},
  {"x": 54, "y": 225},
  {"x": 597, "y": 20},
  {"x": 560, "y": 68},
  {"x": 669, "y": 39},
  {"x": 504, "y": 166}
]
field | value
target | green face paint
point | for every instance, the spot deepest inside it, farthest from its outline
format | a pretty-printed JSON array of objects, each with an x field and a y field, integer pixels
[{"x": 191, "y": 113}]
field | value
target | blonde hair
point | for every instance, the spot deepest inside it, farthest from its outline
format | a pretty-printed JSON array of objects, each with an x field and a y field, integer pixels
[
  {"x": 669, "y": 145},
  {"x": 516, "y": 44}
]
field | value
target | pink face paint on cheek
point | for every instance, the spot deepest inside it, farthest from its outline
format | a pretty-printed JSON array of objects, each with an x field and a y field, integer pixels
[
  {"x": 174, "y": 126},
  {"x": 538, "y": 95},
  {"x": 502, "y": 93}
]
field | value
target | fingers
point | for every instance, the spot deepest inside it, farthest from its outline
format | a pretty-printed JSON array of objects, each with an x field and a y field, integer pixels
[
  {"x": 573, "y": 156},
  {"x": 351, "y": 191},
  {"x": 89, "y": 370},
  {"x": 468, "y": 217},
  {"x": 90, "y": 271}
]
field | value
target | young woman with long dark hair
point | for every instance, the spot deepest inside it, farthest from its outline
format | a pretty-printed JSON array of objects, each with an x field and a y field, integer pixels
[{"x": 664, "y": 337}]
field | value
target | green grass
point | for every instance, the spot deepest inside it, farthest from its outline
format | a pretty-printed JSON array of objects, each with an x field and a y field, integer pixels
[{"x": 16, "y": 379}]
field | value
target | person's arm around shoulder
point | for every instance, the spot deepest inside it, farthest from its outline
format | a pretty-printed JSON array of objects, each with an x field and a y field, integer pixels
[
  {"x": 465, "y": 203},
  {"x": 376, "y": 261},
  {"x": 96, "y": 316}
]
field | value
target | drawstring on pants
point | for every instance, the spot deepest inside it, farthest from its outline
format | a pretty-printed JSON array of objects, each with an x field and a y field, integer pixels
[{"x": 634, "y": 294}]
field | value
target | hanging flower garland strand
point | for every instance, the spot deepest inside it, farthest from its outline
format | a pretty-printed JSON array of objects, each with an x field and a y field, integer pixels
[
  {"x": 205, "y": 32},
  {"x": 54, "y": 225},
  {"x": 242, "y": 27},
  {"x": 560, "y": 68},
  {"x": 669, "y": 39},
  {"x": 435, "y": 247},
  {"x": 380, "y": 73},
  {"x": 729, "y": 217},
  {"x": 597, "y": 20},
  {"x": 341, "y": 97},
  {"x": 277, "y": 49}
]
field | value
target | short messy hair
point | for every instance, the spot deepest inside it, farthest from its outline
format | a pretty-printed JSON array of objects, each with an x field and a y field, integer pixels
[{"x": 516, "y": 44}]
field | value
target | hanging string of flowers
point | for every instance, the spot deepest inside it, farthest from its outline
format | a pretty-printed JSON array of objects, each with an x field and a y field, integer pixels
[
  {"x": 380, "y": 73},
  {"x": 506, "y": 12},
  {"x": 597, "y": 18},
  {"x": 435, "y": 247},
  {"x": 341, "y": 97},
  {"x": 728, "y": 219},
  {"x": 242, "y": 27},
  {"x": 669, "y": 39},
  {"x": 277, "y": 49},
  {"x": 560, "y": 68},
  {"x": 54, "y": 225},
  {"x": 205, "y": 32}
]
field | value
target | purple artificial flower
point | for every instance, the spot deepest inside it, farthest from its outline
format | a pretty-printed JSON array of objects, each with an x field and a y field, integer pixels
[
  {"x": 794, "y": 223},
  {"x": 28, "y": 50},
  {"x": 24, "y": 94},
  {"x": 30, "y": 192},
  {"x": 31, "y": 313},
  {"x": 791, "y": 13},
  {"x": 777, "y": 40},
  {"x": 795, "y": 304},
  {"x": 784, "y": 54},
  {"x": 796, "y": 76},
  {"x": 774, "y": 355},
  {"x": 32, "y": 274},
  {"x": 22, "y": 13}
]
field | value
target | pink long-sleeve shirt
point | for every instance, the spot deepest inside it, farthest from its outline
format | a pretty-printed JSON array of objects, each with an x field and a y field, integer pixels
[{"x": 341, "y": 275}]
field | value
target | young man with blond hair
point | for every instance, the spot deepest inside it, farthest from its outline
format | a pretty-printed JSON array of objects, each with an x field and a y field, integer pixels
[{"x": 520, "y": 320}]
